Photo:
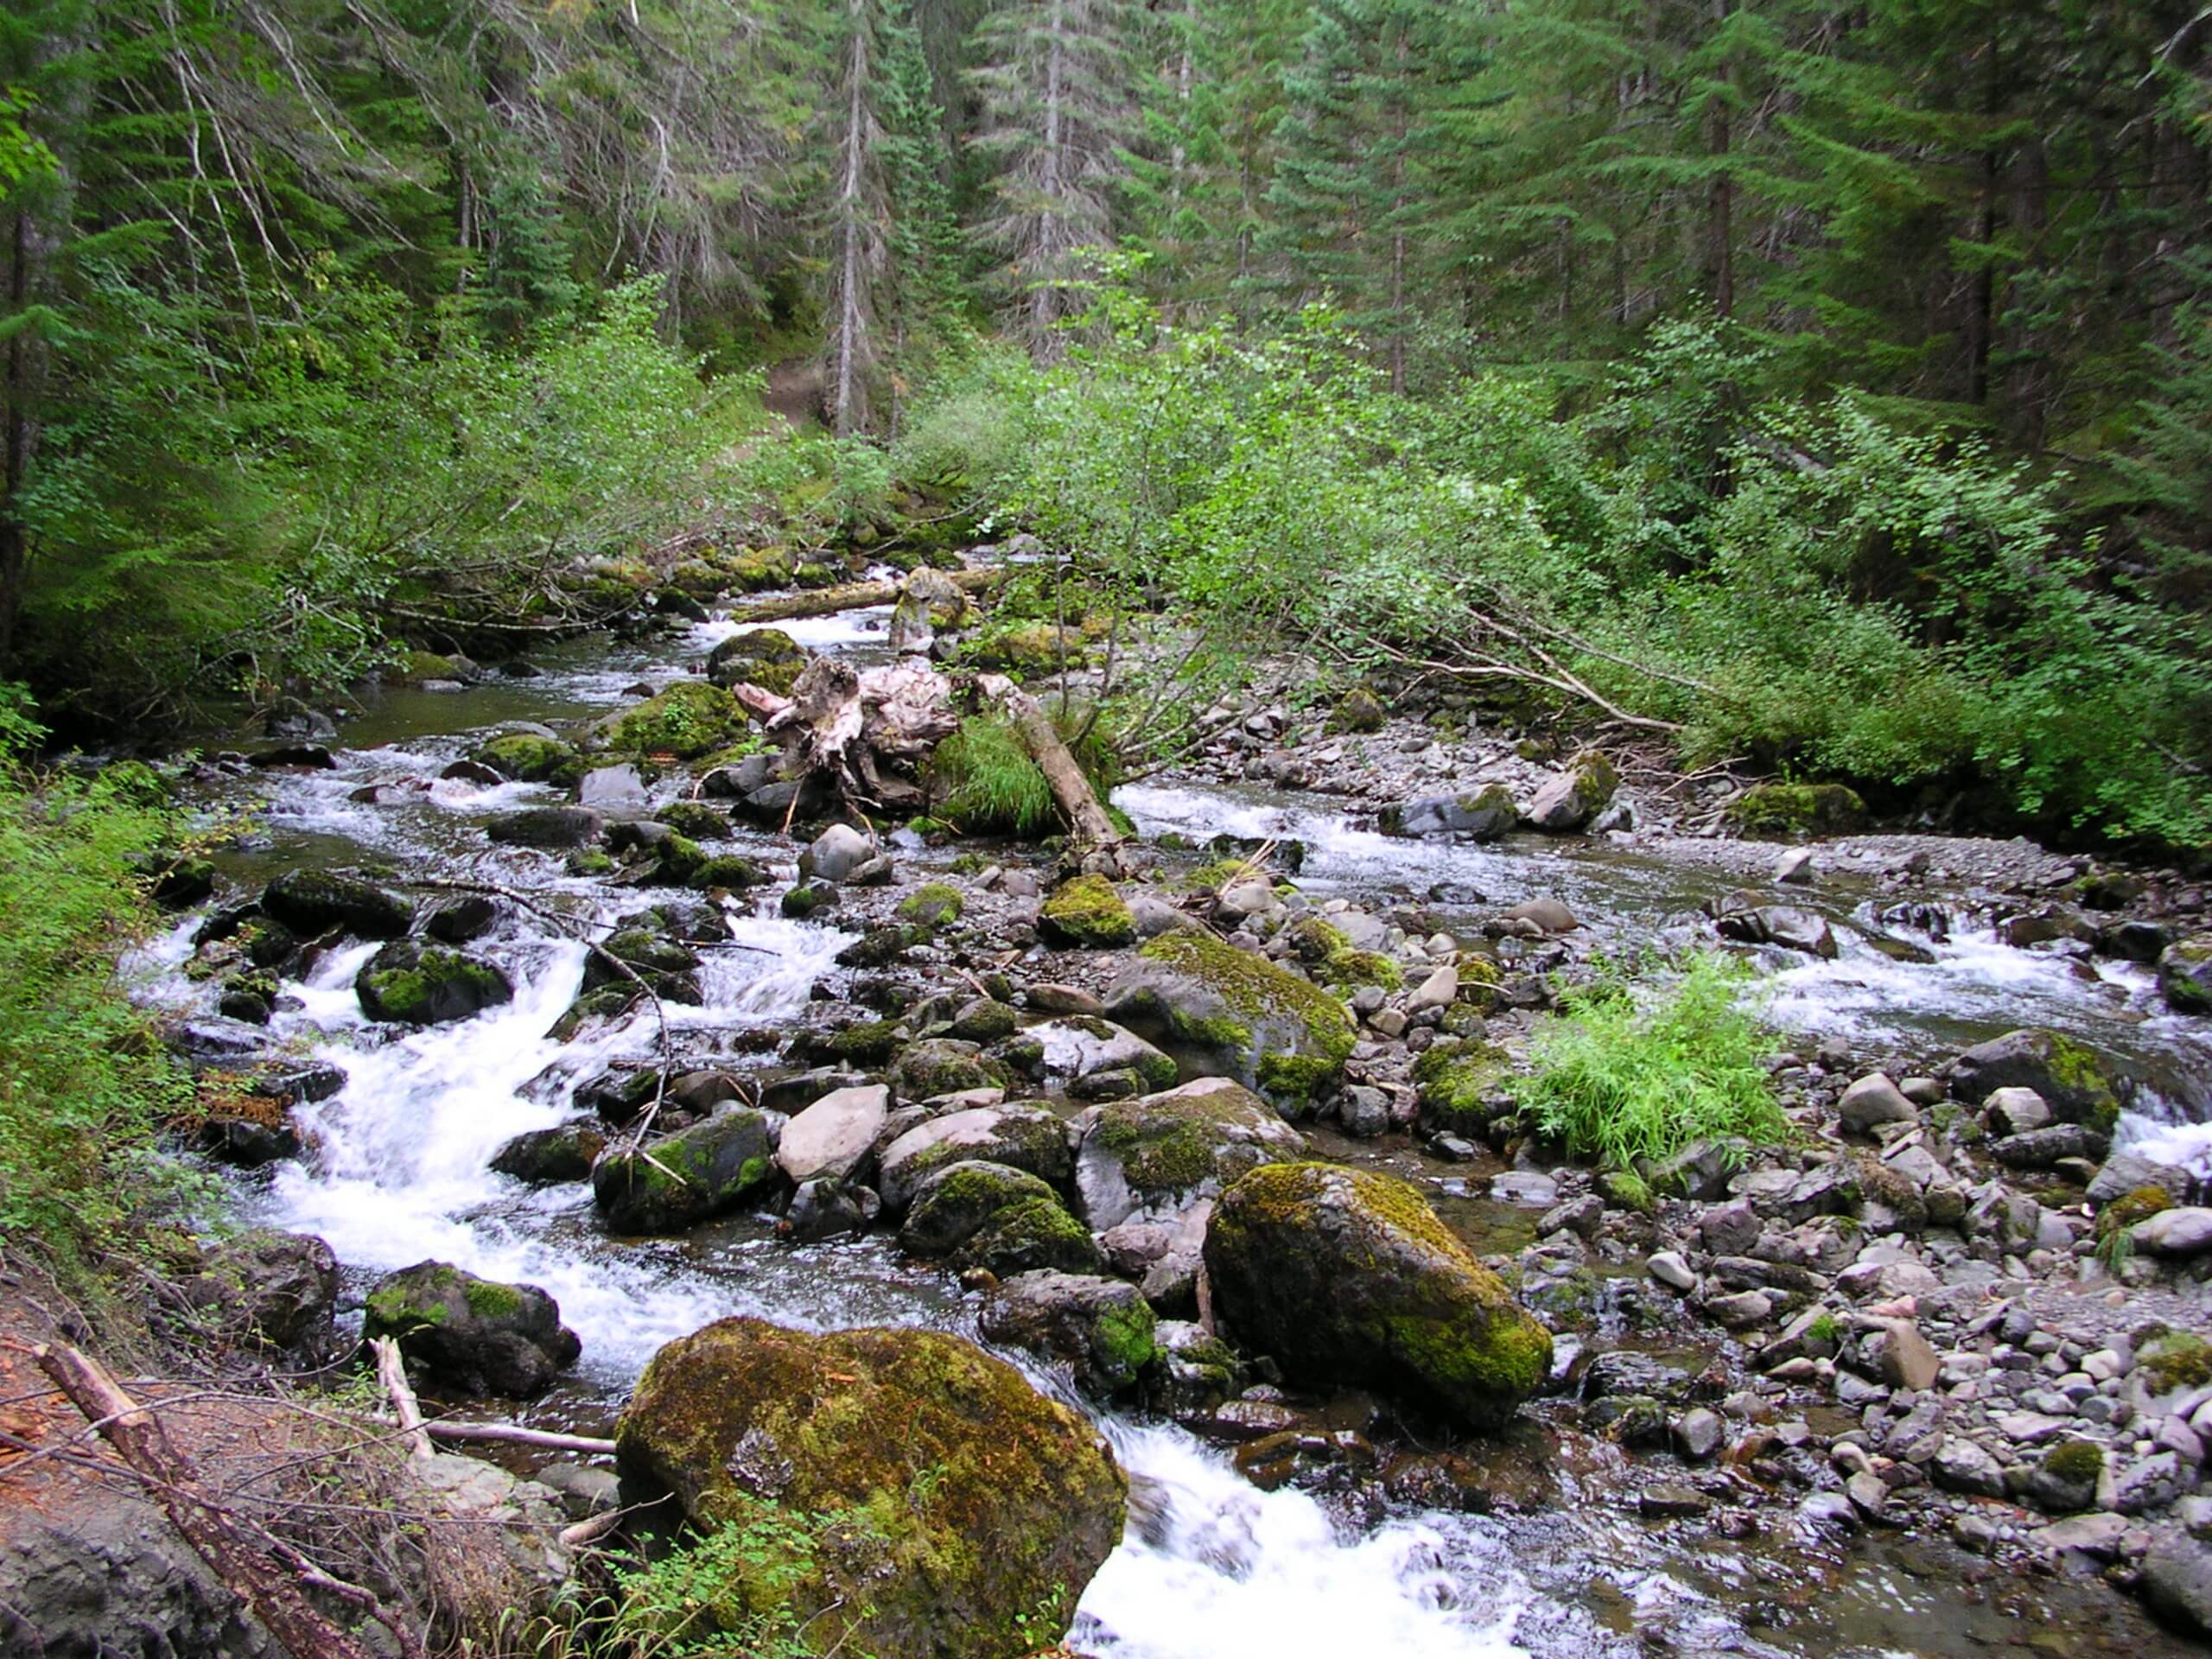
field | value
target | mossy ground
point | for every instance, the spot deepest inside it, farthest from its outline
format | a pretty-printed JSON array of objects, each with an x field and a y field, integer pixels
[{"x": 1087, "y": 912}]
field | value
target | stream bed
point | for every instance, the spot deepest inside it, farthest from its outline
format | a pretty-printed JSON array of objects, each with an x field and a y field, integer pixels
[{"x": 396, "y": 1171}]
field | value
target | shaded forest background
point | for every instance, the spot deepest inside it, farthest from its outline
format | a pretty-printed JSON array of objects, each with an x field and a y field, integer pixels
[{"x": 1824, "y": 388}]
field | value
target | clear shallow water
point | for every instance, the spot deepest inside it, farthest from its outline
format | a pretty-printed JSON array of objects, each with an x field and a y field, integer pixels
[{"x": 397, "y": 1172}]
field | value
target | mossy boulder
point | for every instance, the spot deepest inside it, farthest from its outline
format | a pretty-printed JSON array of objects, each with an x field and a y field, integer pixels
[
  {"x": 1569, "y": 799},
  {"x": 2071, "y": 1079},
  {"x": 1330, "y": 958},
  {"x": 1358, "y": 710},
  {"x": 1347, "y": 1278},
  {"x": 1153, "y": 1158},
  {"x": 2171, "y": 1361},
  {"x": 1026, "y": 652},
  {"x": 767, "y": 658},
  {"x": 690, "y": 719},
  {"x": 1102, "y": 1329},
  {"x": 476, "y": 1335},
  {"x": 992, "y": 1215},
  {"x": 530, "y": 758},
  {"x": 2185, "y": 974},
  {"x": 1797, "y": 809},
  {"x": 1486, "y": 814},
  {"x": 758, "y": 569},
  {"x": 1087, "y": 914},
  {"x": 696, "y": 819},
  {"x": 551, "y": 829},
  {"x": 969, "y": 1512},
  {"x": 1456, "y": 1081},
  {"x": 933, "y": 905},
  {"x": 1022, "y": 1137},
  {"x": 684, "y": 1178},
  {"x": 669, "y": 966},
  {"x": 1077, "y": 1052},
  {"x": 546, "y": 1157},
  {"x": 411, "y": 982},
  {"x": 310, "y": 903},
  {"x": 943, "y": 1066},
  {"x": 1222, "y": 1012}
]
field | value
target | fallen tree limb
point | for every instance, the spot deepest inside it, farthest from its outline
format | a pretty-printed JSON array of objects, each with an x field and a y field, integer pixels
[
  {"x": 246, "y": 1558},
  {"x": 514, "y": 1434},
  {"x": 391, "y": 1371},
  {"x": 848, "y": 596},
  {"x": 1071, "y": 791}
]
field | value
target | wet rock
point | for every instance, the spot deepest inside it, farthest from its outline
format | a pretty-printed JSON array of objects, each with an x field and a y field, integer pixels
[
  {"x": 1871, "y": 1100},
  {"x": 549, "y": 828},
  {"x": 412, "y": 983},
  {"x": 808, "y": 899},
  {"x": 473, "y": 1334},
  {"x": 2182, "y": 1231},
  {"x": 943, "y": 1066},
  {"x": 311, "y": 903},
  {"x": 1485, "y": 815},
  {"x": 1153, "y": 1156},
  {"x": 2071, "y": 1078},
  {"x": 2185, "y": 974},
  {"x": 1785, "y": 925},
  {"x": 767, "y": 658},
  {"x": 1701, "y": 1170},
  {"x": 834, "y": 1135},
  {"x": 1102, "y": 1329},
  {"x": 2127, "y": 1171},
  {"x": 1672, "y": 1269},
  {"x": 690, "y": 718},
  {"x": 2045, "y": 1149},
  {"x": 464, "y": 920},
  {"x": 1048, "y": 998},
  {"x": 276, "y": 1288},
  {"x": 612, "y": 789},
  {"x": 1347, "y": 1277},
  {"x": 826, "y": 1209},
  {"x": 1569, "y": 799},
  {"x": 743, "y": 1420},
  {"x": 1796, "y": 868},
  {"x": 542, "y": 1157},
  {"x": 835, "y": 853},
  {"x": 1087, "y": 914},
  {"x": 1164, "y": 1257},
  {"x": 1698, "y": 1434},
  {"x": 1023, "y": 1137},
  {"x": 691, "y": 1176},
  {"x": 1067, "y": 1053},
  {"x": 530, "y": 757},
  {"x": 1225, "y": 1012},
  {"x": 2178, "y": 1580},
  {"x": 990, "y": 1216}
]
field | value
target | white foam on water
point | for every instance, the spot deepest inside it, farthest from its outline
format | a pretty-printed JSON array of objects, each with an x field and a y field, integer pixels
[
  {"x": 870, "y": 625},
  {"x": 1219, "y": 1568}
]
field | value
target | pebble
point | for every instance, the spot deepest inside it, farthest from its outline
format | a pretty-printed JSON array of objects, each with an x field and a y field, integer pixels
[{"x": 1670, "y": 1268}]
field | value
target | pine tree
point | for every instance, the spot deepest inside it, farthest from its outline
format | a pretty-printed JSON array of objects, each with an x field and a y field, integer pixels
[{"x": 1056, "y": 86}]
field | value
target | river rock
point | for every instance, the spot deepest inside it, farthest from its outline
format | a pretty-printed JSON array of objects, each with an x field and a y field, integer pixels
[
  {"x": 744, "y": 1421},
  {"x": 1086, "y": 913},
  {"x": 1025, "y": 1137},
  {"x": 1223, "y": 1012},
  {"x": 2070, "y": 1077},
  {"x": 2129, "y": 1172},
  {"x": 1786, "y": 925},
  {"x": 986, "y": 1214},
  {"x": 835, "y": 853},
  {"x": 550, "y": 828},
  {"x": 1569, "y": 799},
  {"x": 1101, "y": 1328},
  {"x": 2015, "y": 1111},
  {"x": 1068, "y": 1053},
  {"x": 473, "y": 1334},
  {"x": 1873, "y": 1100},
  {"x": 530, "y": 755},
  {"x": 1347, "y": 1277},
  {"x": 543, "y": 1157},
  {"x": 691, "y": 1176},
  {"x": 1150, "y": 1159},
  {"x": 1485, "y": 815},
  {"x": 767, "y": 658},
  {"x": 311, "y": 903},
  {"x": 690, "y": 718},
  {"x": 411, "y": 983},
  {"x": 943, "y": 1066},
  {"x": 2184, "y": 1230},
  {"x": 2185, "y": 974},
  {"x": 463, "y": 920},
  {"x": 278, "y": 1289},
  {"x": 826, "y": 1209},
  {"x": 1545, "y": 915},
  {"x": 2178, "y": 1580},
  {"x": 834, "y": 1136}
]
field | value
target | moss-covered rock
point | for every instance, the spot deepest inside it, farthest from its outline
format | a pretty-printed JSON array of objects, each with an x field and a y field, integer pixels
[
  {"x": 690, "y": 718},
  {"x": 1072, "y": 1052},
  {"x": 757, "y": 571},
  {"x": 1330, "y": 957},
  {"x": 528, "y": 758},
  {"x": 685, "y": 1177},
  {"x": 1102, "y": 1329},
  {"x": 992, "y": 1215},
  {"x": 1797, "y": 809},
  {"x": 1027, "y": 651},
  {"x": 2173, "y": 1360},
  {"x": 1150, "y": 1159},
  {"x": 767, "y": 658},
  {"x": 1087, "y": 914},
  {"x": 669, "y": 967},
  {"x": 696, "y": 819},
  {"x": 972, "y": 1510},
  {"x": 310, "y": 903},
  {"x": 2071, "y": 1079},
  {"x": 1022, "y": 1137},
  {"x": 411, "y": 982},
  {"x": 1568, "y": 800},
  {"x": 943, "y": 1066},
  {"x": 2185, "y": 974},
  {"x": 1347, "y": 1277},
  {"x": 933, "y": 905},
  {"x": 1223, "y": 1012},
  {"x": 545, "y": 1157},
  {"x": 1358, "y": 710},
  {"x": 476, "y": 1335}
]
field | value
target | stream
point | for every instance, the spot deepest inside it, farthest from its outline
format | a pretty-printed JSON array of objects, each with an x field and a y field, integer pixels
[{"x": 397, "y": 1173}]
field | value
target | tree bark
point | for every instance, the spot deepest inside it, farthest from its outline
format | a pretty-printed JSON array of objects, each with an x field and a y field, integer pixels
[
  {"x": 851, "y": 325},
  {"x": 850, "y": 596}
]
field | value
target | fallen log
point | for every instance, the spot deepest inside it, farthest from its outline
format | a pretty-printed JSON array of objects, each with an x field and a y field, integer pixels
[
  {"x": 268, "y": 1575},
  {"x": 391, "y": 1371},
  {"x": 514, "y": 1434},
  {"x": 1071, "y": 791},
  {"x": 846, "y": 596}
]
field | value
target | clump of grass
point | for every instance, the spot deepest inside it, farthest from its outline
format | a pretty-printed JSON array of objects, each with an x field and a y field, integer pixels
[
  {"x": 983, "y": 779},
  {"x": 1627, "y": 1071}
]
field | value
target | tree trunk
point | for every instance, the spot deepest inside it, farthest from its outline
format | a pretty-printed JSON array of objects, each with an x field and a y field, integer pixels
[
  {"x": 851, "y": 596},
  {"x": 851, "y": 325},
  {"x": 1720, "y": 229},
  {"x": 1077, "y": 801},
  {"x": 1051, "y": 186}
]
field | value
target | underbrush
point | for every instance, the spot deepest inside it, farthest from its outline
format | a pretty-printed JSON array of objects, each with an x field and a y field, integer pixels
[
  {"x": 982, "y": 778},
  {"x": 1631, "y": 1071}
]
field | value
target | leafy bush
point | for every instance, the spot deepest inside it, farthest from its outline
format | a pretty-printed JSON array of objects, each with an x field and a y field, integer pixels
[
  {"x": 85, "y": 1083},
  {"x": 729, "y": 1592},
  {"x": 1627, "y": 1071}
]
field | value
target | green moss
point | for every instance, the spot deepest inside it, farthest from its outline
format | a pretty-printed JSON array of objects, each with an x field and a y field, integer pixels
[
  {"x": 1323, "y": 948},
  {"x": 1797, "y": 809},
  {"x": 690, "y": 719},
  {"x": 2078, "y": 1463},
  {"x": 488, "y": 1301},
  {"x": 933, "y": 905},
  {"x": 696, "y": 819},
  {"x": 2175, "y": 1359},
  {"x": 528, "y": 758},
  {"x": 1259, "y": 995},
  {"x": 2125, "y": 1212},
  {"x": 1025, "y": 652},
  {"x": 871, "y": 1042},
  {"x": 1088, "y": 913},
  {"x": 1359, "y": 710},
  {"x": 1454, "y": 1080},
  {"x": 767, "y": 658},
  {"x": 590, "y": 860},
  {"x": 1125, "y": 1340},
  {"x": 2077, "y": 1068},
  {"x": 1033, "y": 1233}
]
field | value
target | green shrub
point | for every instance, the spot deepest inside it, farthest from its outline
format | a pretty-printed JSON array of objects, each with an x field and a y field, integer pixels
[
  {"x": 1627, "y": 1071},
  {"x": 731, "y": 1591}
]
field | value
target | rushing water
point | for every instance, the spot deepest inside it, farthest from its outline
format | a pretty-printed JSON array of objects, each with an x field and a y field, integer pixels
[{"x": 1213, "y": 1568}]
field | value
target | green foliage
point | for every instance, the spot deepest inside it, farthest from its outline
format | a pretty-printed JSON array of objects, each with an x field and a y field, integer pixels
[
  {"x": 985, "y": 782},
  {"x": 1627, "y": 1071},
  {"x": 85, "y": 1083},
  {"x": 730, "y": 1592}
]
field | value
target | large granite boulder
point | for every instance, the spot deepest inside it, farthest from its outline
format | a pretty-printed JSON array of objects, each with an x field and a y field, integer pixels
[{"x": 476, "y": 1335}]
